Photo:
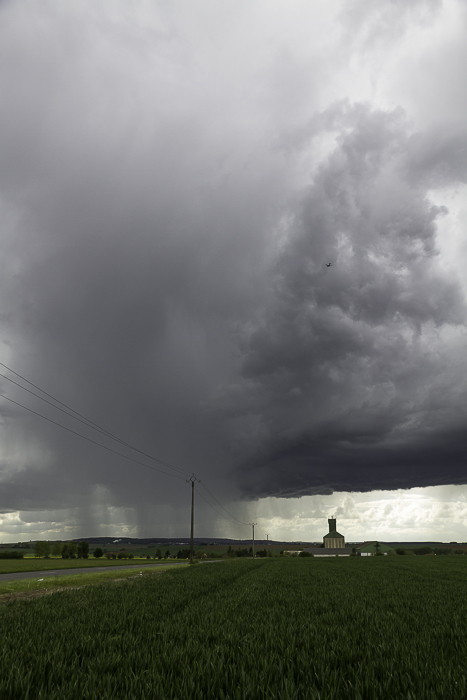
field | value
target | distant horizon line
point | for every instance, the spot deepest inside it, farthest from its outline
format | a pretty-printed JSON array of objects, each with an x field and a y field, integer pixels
[{"x": 206, "y": 541}]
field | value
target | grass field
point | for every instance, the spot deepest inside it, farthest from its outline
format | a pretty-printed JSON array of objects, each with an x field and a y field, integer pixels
[
  {"x": 356, "y": 628},
  {"x": 13, "y": 566},
  {"x": 33, "y": 587}
]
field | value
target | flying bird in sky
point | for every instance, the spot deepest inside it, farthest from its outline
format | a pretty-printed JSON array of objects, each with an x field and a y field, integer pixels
[{"x": 328, "y": 264}]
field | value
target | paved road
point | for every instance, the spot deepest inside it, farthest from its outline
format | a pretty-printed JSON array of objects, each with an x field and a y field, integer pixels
[{"x": 85, "y": 570}]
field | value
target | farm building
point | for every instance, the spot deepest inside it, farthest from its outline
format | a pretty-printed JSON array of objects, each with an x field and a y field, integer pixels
[
  {"x": 333, "y": 544},
  {"x": 333, "y": 540}
]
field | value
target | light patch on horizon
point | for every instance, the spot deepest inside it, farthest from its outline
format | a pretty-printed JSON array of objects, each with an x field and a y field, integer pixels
[{"x": 437, "y": 514}]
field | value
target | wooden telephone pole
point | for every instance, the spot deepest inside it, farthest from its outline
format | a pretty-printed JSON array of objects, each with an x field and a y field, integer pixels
[
  {"x": 192, "y": 479},
  {"x": 253, "y": 526}
]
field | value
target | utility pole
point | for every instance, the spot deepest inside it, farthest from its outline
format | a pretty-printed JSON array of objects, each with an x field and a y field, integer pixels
[
  {"x": 192, "y": 479},
  {"x": 253, "y": 526}
]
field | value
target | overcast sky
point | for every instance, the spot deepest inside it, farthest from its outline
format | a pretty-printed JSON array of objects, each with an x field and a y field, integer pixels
[{"x": 174, "y": 178}]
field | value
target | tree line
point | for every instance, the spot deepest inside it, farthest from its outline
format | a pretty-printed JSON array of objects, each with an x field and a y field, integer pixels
[
  {"x": 67, "y": 550},
  {"x": 429, "y": 550}
]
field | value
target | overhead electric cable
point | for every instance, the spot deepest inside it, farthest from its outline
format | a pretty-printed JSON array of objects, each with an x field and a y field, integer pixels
[
  {"x": 91, "y": 424},
  {"x": 109, "y": 449},
  {"x": 84, "y": 420},
  {"x": 223, "y": 507},
  {"x": 218, "y": 512}
]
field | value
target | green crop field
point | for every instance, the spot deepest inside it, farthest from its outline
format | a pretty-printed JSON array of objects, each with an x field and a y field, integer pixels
[
  {"x": 283, "y": 629},
  {"x": 13, "y": 566}
]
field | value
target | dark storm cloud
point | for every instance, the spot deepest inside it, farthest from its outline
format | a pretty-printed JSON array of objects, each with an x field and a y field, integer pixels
[
  {"x": 349, "y": 379},
  {"x": 134, "y": 243},
  {"x": 163, "y": 273},
  {"x": 342, "y": 457}
]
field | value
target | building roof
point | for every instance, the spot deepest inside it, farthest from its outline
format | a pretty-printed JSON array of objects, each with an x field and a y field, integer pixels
[
  {"x": 333, "y": 533},
  {"x": 371, "y": 547}
]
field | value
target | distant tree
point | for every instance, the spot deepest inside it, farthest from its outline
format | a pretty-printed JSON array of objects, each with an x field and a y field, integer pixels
[
  {"x": 261, "y": 553},
  {"x": 148, "y": 556},
  {"x": 183, "y": 554},
  {"x": 158, "y": 554},
  {"x": 399, "y": 550},
  {"x": 98, "y": 553},
  {"x": 458, "y": 551},
  {"x": 305, "y": 554},
  {"x": 69, "y": 550},
  {"x": 167, "y": 554},
  {"x": 42, "y": 549},
  {"x": 200, "y": 554},
  {"x": 83, "y": 550},
  {"x": 57, "y": 548}
]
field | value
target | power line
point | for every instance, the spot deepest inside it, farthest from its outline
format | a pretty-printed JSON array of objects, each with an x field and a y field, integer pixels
[
  {"x": 82, "y": 419},
  {"x": 94, "y": 442},
  {"x": 223, "y": 507},
  {"x": 235, "y": 522},
  {"x": 91, "y": 424}
]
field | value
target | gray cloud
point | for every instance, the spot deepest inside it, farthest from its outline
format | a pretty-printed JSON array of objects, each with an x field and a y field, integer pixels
[
  {"x": 348, "y": 373},
  {"x": 163, "y": 264}
]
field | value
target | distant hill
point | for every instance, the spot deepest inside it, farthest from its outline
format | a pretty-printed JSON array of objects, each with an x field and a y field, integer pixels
[{"x": 197, "y": 541}]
